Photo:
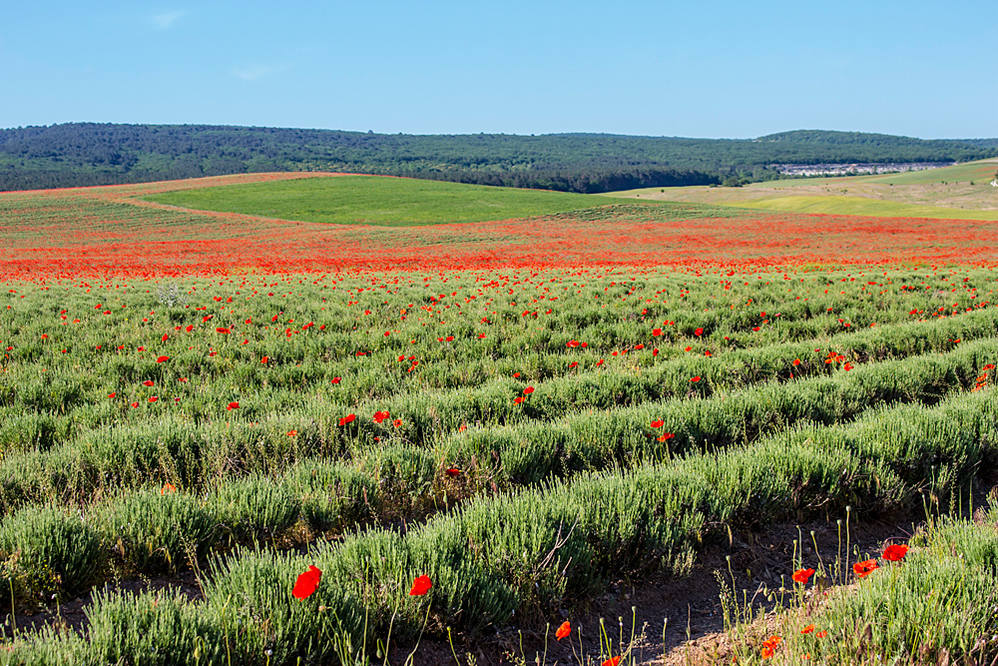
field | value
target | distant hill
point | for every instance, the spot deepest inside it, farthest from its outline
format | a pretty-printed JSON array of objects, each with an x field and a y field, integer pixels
[{"x": 97, "y": 154}]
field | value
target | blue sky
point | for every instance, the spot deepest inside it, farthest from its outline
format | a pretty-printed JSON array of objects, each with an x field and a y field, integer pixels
[{"x": 704, "y": 69}]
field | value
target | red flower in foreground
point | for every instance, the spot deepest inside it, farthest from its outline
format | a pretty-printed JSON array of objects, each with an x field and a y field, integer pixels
[
  {"x": 803, "y": 575},
  {"x": 695, "y": 379},
  {"x": 612, "y": 661},
  {"x": 148, "y": 382},
  {"x": 528, "y": 390},
  {"x": 380, "y": 416},
  {"x": 698, "y": 332},
  {"x": 518, "y": 399},
  {"x": 334, "y": 380},
  {"x": 162, "y": 359},
  {"x": 307, "y": 582},
  {"x": 564, "y": 630},
  {"x": 232, "y": 405},
  {"x": 453, "y": 471},
  {"x": 895, "y": 552},
  {"x": 223, "y": 331},
  {"x": 264, "y": 360},
  {"x": 420, "y": 586},
  {"x": 808, "y": 629},
  {"x": 865, "y": 568},
  {"x": 657, "y": 423},
  {"x": 347, "y": 419},
  {"x": 167, "y": 488}
]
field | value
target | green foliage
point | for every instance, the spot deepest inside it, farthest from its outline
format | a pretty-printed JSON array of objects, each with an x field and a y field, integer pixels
[
  {"x": 45, "y": 551},
  {"x": 156, "y": 531},
  {"x": 99, "y": 154}
]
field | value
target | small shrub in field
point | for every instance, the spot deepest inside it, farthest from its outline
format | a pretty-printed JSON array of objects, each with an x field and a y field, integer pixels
[
  {"x": 153, "y": 530},
  {"x": 253, "y": 507},
  {"x": 333, "y": 495},
  {"x": 47, "y": 551}
]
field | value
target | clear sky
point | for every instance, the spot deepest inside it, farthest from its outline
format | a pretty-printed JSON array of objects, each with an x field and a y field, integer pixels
[{"x": 690, "y": 68}]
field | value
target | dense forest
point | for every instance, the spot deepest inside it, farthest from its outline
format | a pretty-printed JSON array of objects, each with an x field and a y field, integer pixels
[{"x": 99, "y": 154}]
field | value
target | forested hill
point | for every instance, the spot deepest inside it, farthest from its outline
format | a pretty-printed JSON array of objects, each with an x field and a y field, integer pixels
[{"x": 96, "y": 154}]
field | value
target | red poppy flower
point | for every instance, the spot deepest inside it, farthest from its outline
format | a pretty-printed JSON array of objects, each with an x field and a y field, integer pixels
[
  {"x": 162, "y": 359},
  {"x": 307, "y": 582},
  {"x": 665, "y": 436},
  {"x": 821, "y": 634},
  {"x": 612, "y": 661},
  {"x": 808, "y": 629},
  {"x": 380, "y": 416},
  {"x": 153, "y": 398},
  {"x": 895, "y": 552},
  {"x": 698, "y": 332},
  {"x": 347, "y": 419},
  {"x": 167, "y": 489},
  {"x": 224, "y": 331},
  {"x": 397, "y": 423},
  {"x": 264, "y": 359},
  {"x": 335, "y": 380},
  {"x": 803, "y": 575},
  {"x": 564, "y": 630},
  {"x": 656, "y": 332},
  {"x": 695, "y": 379},
  {"x": 420, "y": 586},
  {"x": 528, "y": 390},
  {"x": 657, "y": 423},
  {"x": 111, "y": 395},
  {"x": 518, "y": 399},
  {"x": 865, "y": 568},
  {"x": 232, "y": 405},
  {"x": 292, "y": 433},
  {"x": 148, "y": 382},
  {"x": 453, "y": 471}
]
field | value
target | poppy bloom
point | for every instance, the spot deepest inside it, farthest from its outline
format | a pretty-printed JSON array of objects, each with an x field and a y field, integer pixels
[
  {"x": 420, "y": 586},
  {"x": 232, "y": 405},
  {"x": 803, "y": 575},
  {"x": 307, "y": 582},
  {"x": 162, "y": 359},
  {"x": 865, "y": 568},
  {"x": 657, "y": 423},
  {"x": 380, "y": 416},
  {"x": 695, "y": 379},
  {"x": 397, "y": 423},
  {"x": 808, "y": 629},
  {"x": 153, "y": 398},
  {"x": 335, "y": 380},
  {"x": 528, "y": 390},
  {"x": 612, "y": 661},
  {"x": 453, "y": 471},
  {"x": 564, "y": 630},
  {"x": 698, "y": 332},
  {"x": 665, "y": 436},
  {"x": 656, "y": 332},
  {"x": 821, "y": 634},
  {"x": 347, "y": 419},
  {"x": 292, "y": 433},
  {"x": 223, "y": 331},
  {"x": 518, "y": 399},
  {"x": 111, "y": 395},
  {"x": 148, "y": 382},
  {"x": 167, "y": 489},
  {"x": 895, "y": 552},
  {"x": 264, "y": 359}
]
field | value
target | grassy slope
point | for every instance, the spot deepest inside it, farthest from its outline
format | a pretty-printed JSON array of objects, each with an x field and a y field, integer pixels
[
  {"x": 377, "y": 200},
  {"x": 956, "y": 192},
  {"x": 846, "y": 205}
]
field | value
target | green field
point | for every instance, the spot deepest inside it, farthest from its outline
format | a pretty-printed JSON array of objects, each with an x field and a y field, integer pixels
[{"x": 377, "y": 200}]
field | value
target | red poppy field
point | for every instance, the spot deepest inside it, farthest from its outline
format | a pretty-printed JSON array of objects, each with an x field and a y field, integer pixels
[{"x": 229, "y": 439}]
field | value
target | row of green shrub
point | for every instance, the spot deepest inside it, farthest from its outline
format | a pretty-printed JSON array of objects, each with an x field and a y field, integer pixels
[
  {"x": 498, "y": 557},
  {"x": 150, "y": 532}
]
